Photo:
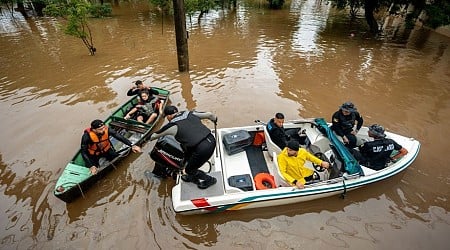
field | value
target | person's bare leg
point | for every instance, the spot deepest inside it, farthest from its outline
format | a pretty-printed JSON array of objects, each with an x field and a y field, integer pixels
[
  {"x": 161, "y": 105},
  {"x": 151, "y": 118}
]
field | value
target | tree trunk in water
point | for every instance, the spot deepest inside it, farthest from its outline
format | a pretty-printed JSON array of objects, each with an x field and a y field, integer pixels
[
  {"x": 181, "y": 35},
  {"x": 369, "y": 7},
  {"x": 21, "y": 9}
]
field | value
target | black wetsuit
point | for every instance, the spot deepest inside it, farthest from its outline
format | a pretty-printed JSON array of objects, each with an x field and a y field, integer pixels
[{"x": 194, "y": 137}]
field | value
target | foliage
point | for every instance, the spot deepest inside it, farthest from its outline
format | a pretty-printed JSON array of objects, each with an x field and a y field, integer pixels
[
  {"x": 100, "y": 10},
  {"x": 76, "y": 13},
  {"x": 438, "y": 13}
]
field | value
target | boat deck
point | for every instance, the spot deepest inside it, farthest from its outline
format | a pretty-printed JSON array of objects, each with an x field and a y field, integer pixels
[{"x": 191, "y": 191}]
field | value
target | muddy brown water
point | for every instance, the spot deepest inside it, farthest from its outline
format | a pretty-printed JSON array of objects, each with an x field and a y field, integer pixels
[{"x": 245, "y": 64}]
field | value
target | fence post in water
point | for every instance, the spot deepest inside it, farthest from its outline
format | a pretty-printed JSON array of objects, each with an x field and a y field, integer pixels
[{"x": 181, "y": 35}]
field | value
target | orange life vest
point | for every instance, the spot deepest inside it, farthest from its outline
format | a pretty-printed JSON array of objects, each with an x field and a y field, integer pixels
[{"x": 99, "y": 145}]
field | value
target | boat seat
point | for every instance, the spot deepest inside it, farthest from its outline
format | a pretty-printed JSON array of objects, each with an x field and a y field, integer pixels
[
  {"x": 127, "y": 126},
  {"x": 279, "y": 179},
  {"x": 272, "y": 148}
]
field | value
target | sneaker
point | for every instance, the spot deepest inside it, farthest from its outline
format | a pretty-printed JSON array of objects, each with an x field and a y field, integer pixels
[
  {"x": 187, "y": 178},
  {"x": 204, "y": 184}
]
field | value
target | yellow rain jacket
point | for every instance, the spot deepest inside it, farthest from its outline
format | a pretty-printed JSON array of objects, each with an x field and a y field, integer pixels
[{"x": 293, "y": 168}]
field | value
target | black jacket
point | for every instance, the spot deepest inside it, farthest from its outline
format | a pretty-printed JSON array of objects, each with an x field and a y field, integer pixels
[{"x": 277, "y": 134}]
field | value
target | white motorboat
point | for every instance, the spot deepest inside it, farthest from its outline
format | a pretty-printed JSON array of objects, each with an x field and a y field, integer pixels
[{"x": 247, "y": 171}]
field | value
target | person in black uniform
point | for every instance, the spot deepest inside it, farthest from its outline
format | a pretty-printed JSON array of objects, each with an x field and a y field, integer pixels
[
  {"x": 343, "y": 123},
  {"x": 278, "y": 134},
  {"x": 377, "y": 153},
  {"x": 196, "y": 140},
  {"x": 95, "y": 144}
]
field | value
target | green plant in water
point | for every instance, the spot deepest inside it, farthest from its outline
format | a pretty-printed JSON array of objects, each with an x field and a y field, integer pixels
[{"x": 76, "y": 14}]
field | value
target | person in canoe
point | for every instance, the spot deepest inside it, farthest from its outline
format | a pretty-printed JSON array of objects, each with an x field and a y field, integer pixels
[
  {"x": 146, "y": 110},
  {"x": 196, "y": 140},
  {"x": 278, "y": 134},
  {"x": 343, "y": 123},
  {"x": 377, "y": 153},
  {"x": 95, "y": 144},
  {"x": 291, "y": 162},
  {"x": 139, "y": 87}
]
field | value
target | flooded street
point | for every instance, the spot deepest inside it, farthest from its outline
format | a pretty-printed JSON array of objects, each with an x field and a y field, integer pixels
[{"x": 245, "y": 64}]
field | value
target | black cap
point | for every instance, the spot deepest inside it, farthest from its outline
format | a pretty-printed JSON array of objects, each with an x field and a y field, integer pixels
[
  {"x": 294, "y": 145},
  {"x": 97, "y": 124},
  {"x": 170, "y": 110},
  {"x": 349, "y": 106},
  {"x": 377, "y": 130}
]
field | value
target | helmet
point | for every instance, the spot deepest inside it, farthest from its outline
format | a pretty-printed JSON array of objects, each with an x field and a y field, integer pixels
[
  {"x": 377, "y": 130},
  {"x": 348, "y": 106}
]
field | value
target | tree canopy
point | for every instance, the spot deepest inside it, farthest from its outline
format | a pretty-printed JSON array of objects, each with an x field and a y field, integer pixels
[{"x": 437, "y": 11}]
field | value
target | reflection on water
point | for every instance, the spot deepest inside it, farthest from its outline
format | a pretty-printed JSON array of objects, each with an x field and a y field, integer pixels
[{"x": 246, "y": 64}]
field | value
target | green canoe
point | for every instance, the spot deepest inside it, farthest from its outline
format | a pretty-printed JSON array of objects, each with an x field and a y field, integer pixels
[{"x": 76, "y": 177}]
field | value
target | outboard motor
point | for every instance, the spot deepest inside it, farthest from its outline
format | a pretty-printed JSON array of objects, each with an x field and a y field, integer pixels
[{"x": 168, "y": 156}]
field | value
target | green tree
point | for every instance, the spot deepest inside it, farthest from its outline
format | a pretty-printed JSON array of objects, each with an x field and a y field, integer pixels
[
  {"x": 438, "y": 13},
  {"x": 76, "y": 14}
]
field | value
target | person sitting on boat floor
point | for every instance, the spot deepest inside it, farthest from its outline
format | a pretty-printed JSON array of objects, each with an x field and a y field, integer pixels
[
  {"x": 278, "y": 134},
  {"x": 196, "y": 139},
  {"x": 140, "y": 86},
  {"x": 343, "y": 123},
  {"x": 95, "y": 144},
  {"x": 291, "y": 162},
  {"x": 145, "y": 110},
  {"x": 377, "y": 153}
]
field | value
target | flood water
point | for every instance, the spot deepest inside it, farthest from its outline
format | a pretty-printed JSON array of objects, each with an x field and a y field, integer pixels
[{"x": 247, "y": 64}]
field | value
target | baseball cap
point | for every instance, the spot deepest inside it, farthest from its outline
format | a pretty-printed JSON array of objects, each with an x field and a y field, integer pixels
[{"x": 97, "y": 124}]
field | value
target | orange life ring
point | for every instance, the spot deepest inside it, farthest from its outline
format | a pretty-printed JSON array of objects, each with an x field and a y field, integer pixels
[{"x": 264, "y": 181}]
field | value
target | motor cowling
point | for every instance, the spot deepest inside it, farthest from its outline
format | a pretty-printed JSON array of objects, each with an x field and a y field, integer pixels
[{"x": 168, "y": 153}]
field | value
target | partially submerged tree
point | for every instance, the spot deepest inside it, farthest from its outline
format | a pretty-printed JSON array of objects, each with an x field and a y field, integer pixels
[
  {"x": 76, "y": 14},
  {"x": 437, "y": 11}
]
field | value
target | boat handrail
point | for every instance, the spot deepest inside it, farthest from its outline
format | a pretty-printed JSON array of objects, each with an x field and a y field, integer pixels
[{"x": 350, "y": 163}]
